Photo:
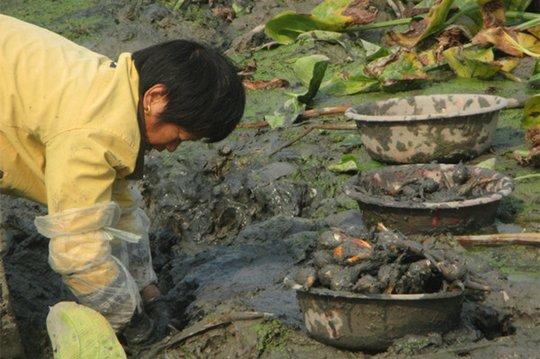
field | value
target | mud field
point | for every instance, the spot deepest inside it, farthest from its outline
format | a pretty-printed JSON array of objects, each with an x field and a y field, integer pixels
[{"x": 229, "y": 220}]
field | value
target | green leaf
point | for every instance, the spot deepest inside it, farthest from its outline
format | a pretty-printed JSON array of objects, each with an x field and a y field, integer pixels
[
  {"x": 355, "y": 50},
  {"x": 516, "y": 5},
  {"x": 310, "y": 71},
  {"x": 532, "y": 112},
  {"x": 373, "y": 51},
  {"x": 342, "y": 84},
  {"x": 489, "y": 163},
  {"x": 534, "y": 81},
  {"x": 398, "y": 72},
  {"x": 286, "y": 114},
  {"x": 471, "y": 62},
  {"x": 419, "y": 30},
  {"x": 237, "y": 8},
  {"x": 339, "y": 14},
  {"x": 347, "y": 164},
  {"x": 350, "y": 163},
  {"x": 285, "y": 27}
]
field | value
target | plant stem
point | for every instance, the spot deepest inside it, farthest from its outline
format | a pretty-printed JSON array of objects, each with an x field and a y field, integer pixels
[
  {"x": 520, "y": 178},
  {"x": 522, "y": 15},
  {"x": 380, "y": 24},
  {"x": 528, "y": 24}
]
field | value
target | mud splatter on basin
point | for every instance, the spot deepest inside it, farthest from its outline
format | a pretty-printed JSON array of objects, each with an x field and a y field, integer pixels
[
  {"x": 422, "y": 129},
  {"x": 371, "y": 322},
  {"x": 455, "y": 216}
]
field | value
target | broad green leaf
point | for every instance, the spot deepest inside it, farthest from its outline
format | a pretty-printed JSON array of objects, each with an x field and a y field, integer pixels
[
  {"x": 321, "y": 35},
  {"x": 472, "y": 63},
  {"x": 77, "y": 331},
  {"x": 350, "y": 163},
  {"x": 310, "y": 71},
  {"x": 534, "y": 80},
  {"x": 286, "y": 114},
  {"x": 373, "y": 51},
  {"x": 532, "y": 112},
  {"x": 489, "y": 163},
  {"x": 354, "y": 49},
  {"x": 342, "y": 84},
  {"x": 339, "y": 14},
  {"x": 237, "y": 8},
  {"x": 285, "y": 27},
  {"x": 398, "y": 72},
  {"x": 419, "y": 30},
  {"x": 347, "y": 164}
]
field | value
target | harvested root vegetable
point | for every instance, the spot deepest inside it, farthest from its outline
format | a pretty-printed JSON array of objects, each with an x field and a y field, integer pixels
[{"x": 386, "y": 263}]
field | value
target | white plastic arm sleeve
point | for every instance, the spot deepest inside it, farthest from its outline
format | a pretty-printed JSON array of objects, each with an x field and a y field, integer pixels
[
  {"x": 139, "y": 257},
  {"x": 80, "y": 251}
]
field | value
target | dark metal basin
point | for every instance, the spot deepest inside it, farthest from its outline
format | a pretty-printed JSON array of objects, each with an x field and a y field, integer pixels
[
  {"x": 372, "y": 322},
  {"x": 423, "y": 129},
  {"x": 428, "y": 217}
]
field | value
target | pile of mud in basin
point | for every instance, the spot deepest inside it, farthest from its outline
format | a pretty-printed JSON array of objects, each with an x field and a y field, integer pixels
[
  {"x": 386, "y": 262},
  {"x": 458, "y": 186}
]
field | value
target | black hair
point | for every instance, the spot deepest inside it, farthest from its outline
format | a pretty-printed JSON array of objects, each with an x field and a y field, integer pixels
[{"x": 205, "y": 95}]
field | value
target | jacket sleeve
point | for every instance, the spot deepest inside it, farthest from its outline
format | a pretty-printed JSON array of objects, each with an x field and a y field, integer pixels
[
  {"x": 81, "y": 168},
  {"x": 80, "y": 173}
]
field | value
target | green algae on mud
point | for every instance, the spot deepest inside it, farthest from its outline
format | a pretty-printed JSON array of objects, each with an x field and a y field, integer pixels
[{"x": 78, "y": 20}]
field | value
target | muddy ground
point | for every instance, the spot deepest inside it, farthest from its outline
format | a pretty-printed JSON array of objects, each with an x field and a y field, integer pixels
[{"x": 228, "y": 221}]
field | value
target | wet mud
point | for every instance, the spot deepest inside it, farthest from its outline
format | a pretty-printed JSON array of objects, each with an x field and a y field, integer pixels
[{"x": 229, "y": 222}]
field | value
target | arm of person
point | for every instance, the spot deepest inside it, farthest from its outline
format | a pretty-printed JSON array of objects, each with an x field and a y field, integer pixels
[{"x": 81, "y": 168}]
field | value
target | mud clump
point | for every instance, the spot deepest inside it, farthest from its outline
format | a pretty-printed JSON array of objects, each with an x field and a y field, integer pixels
[{"x": 386, "y": 263}]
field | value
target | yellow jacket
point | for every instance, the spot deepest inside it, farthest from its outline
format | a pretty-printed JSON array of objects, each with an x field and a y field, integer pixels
[{"x": 68, "y": 120}]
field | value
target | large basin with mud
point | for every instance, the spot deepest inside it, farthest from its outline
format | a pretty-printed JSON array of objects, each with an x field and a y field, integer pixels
[
  {"x": 371, "y": 322},
  {"x": 434, "y": 198},
  {"x": 422, "y": 129}
]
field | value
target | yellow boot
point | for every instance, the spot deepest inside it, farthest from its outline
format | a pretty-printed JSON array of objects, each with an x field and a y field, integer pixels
[{"x": 79, "y": 332}]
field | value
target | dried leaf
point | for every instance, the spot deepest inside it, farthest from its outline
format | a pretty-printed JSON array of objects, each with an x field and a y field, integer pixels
[
  {"x": 472, "y": 63},
  {"x": 339, "y": 14},
  {"x": 492, "y": 13},
  {"x": 265, "y": 84},
  {"x": 508, "y": 63},
  {"x": 421, "y": 29},
  {"x": 452, "y": 36},
  {"x": 509, "y": 41},
  {"x": 535, "y": 31}
]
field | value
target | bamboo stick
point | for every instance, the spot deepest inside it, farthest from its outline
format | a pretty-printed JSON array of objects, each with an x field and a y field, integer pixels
[{"x": 500, "y": 239}]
